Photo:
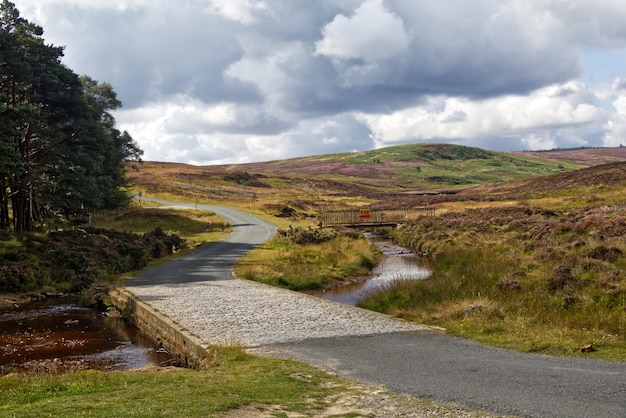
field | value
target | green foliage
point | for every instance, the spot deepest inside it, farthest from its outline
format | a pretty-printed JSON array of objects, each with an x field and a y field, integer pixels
[
  {"x": 60, "y": 153},
  {"x": 72, "y": 260},
  {"x": 318, "y": 261},
  {"x": 452, "y": 152},
  {"x": 13, "y": 278},
  {"x": 5, "y": 235}
]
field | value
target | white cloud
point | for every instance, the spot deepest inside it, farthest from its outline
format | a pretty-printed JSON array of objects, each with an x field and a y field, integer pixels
[
  {"x": 371, "y": 34},
  {"x": 242, "y": 11},
  {"x": 539, "y": 141},
  {"x": 457, "y": 118},
  {"x": 616, "y": 125}
]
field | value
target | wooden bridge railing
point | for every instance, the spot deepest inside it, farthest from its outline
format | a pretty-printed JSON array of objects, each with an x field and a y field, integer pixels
[{"x": 373, "y": 217}]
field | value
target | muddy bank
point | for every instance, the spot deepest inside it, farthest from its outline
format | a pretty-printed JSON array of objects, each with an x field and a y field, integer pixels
[{"x": 8, "y": 302}]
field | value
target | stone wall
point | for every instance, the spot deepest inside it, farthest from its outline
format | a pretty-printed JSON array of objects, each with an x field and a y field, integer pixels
[{"x": 187, "y": 349}]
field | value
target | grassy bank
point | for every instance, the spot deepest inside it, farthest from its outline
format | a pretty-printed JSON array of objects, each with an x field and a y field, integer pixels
[
  {"x": 113, "y": 245},
  {"x": 525, "y": 278},
  {"x": 309, "y": 259},
  {"x": 194, "y": 226},
  {"x": 274, "y": 386}
]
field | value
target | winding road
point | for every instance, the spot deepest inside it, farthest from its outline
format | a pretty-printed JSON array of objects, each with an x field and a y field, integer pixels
[{"x": 199, "y": 292}]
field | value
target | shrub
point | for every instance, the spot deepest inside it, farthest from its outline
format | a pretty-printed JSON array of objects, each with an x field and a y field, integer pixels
[
  {"x": 508, "y": 284},
  {"x": 302, "y": 236},
  {"x": 134, "y": 255},
  {"x": 5, "y": 235},
  {"x": 72, "y": 260},
  {"x": 13, "y": 278},
  {"x": 609, "y": 254},
  {"x": 561, "y": 278},
  {"x": 163, "y": 242}
]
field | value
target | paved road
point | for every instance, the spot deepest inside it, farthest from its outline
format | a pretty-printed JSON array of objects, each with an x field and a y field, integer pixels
[{"x": 198, "y": 292}]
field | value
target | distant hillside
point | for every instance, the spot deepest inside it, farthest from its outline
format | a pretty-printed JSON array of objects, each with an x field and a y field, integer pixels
[
  {"x": 431, "y": 166},
  {"x": 584, "y": 156},
  {"x": 394, "y": 175},
  {"x": 584, "y": 183}
]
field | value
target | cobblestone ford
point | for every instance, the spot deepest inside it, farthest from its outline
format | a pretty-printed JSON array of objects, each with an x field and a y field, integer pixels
[
  {"x": 198, "y": 292},
  {"x": 248, "y": 314}
]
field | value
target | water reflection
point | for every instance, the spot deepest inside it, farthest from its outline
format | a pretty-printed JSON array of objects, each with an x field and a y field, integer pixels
[
  {"x": 57, "y": 335},
  {"x": 399, "y": 263}
]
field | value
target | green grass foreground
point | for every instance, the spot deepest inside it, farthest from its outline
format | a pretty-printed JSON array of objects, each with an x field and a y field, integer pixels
[{"x": 239, "y": 380}]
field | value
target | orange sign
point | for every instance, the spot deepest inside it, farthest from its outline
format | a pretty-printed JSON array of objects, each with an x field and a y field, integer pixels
[{"x": 365, "y": 213}]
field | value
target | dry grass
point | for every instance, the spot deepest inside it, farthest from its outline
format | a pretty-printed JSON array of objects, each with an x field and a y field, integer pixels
[{"x": 194, "y": 226}]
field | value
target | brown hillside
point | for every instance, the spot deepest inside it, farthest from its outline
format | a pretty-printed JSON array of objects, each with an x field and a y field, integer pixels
[
  {"x": 605, "y": 176},
  {"x": 584, "y": 156},
  {"x": 400, "y": 181}
]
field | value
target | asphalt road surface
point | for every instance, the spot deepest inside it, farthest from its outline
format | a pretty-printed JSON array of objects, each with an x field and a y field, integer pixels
[{"x": 421, "y": 362}]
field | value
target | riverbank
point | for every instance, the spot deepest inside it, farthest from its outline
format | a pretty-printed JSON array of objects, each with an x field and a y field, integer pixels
[
  {"x": 396, "y": 263},
  {"x": 308, "y": 259},
  {"x": 521, "y": 277},
  {"x": 10, "y": 301}
]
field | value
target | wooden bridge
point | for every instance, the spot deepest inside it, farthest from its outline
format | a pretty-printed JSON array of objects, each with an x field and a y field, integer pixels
[{"x": 373, "y": 217}]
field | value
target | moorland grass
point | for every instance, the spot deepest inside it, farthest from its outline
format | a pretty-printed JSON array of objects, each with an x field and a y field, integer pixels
[
  {"x": 529, "y": 279},
  {"x": 195, "y": 226},
  {"x": 518, "y": 241}
]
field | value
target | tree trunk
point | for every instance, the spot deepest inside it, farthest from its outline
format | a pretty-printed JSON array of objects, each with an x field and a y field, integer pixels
[{"x": 4, "y": 206}]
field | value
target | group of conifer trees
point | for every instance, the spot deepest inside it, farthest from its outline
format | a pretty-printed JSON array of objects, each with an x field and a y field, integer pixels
[{"x": 61, "y": 155}]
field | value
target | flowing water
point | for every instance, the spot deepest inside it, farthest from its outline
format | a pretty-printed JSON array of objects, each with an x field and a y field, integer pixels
[
  {"x": 399, "y": 264},
  {"x": 56, "y": 335}
]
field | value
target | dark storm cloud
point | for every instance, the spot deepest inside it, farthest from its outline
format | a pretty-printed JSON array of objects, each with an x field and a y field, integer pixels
[{"x": 149, "y": 53}]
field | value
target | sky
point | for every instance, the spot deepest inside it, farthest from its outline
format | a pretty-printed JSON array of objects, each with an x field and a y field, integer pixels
[{"x": 209, "y": 82}]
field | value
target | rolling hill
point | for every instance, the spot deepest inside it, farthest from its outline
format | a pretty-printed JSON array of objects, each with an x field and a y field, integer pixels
[{"x": 406, "y": 175}]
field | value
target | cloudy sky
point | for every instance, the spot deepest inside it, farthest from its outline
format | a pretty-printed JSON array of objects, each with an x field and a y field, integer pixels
[{"x": 234, "y": 81}]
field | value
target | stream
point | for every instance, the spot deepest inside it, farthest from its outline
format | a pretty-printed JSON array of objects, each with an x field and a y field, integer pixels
[
  {"x": 58, "y": 336},
  {"x": 399, "y": 264}
]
